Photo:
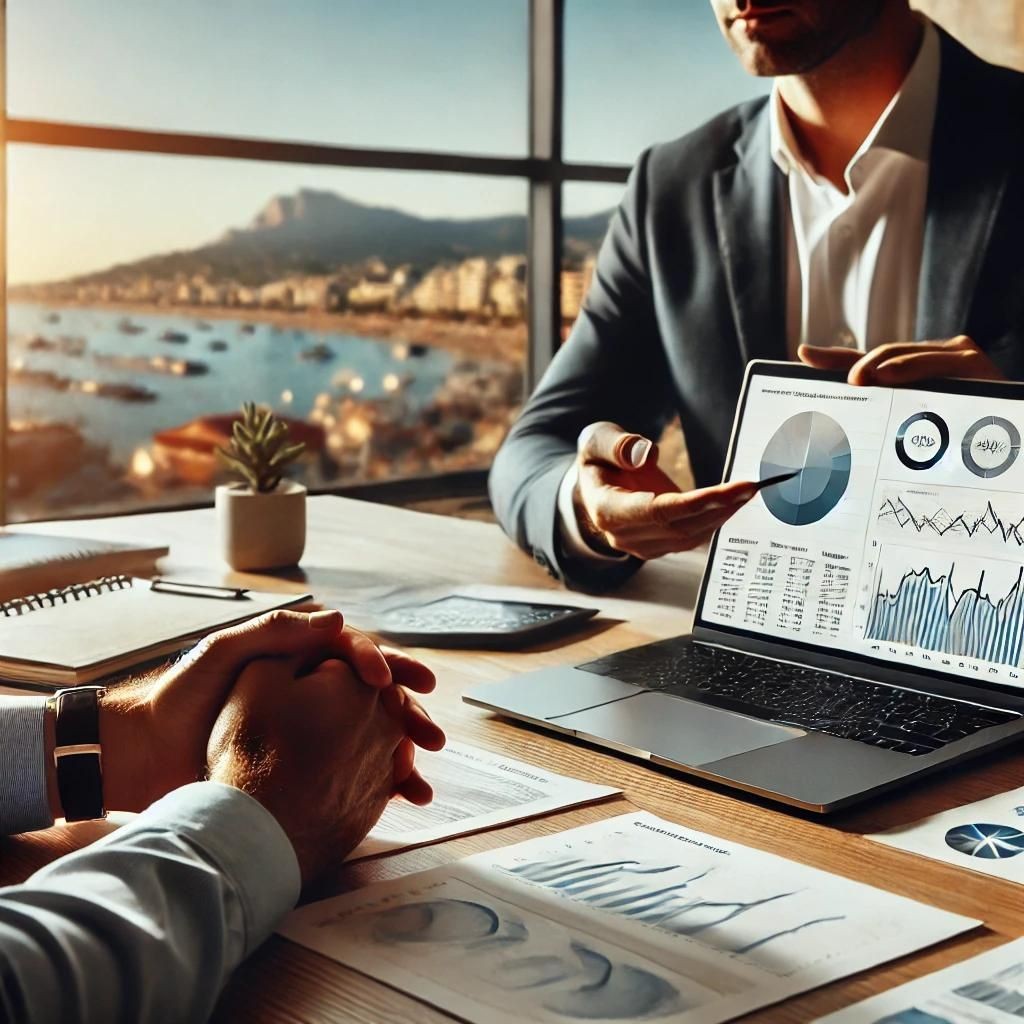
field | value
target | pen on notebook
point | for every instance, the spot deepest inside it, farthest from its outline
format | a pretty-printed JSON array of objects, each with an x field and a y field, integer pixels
[{"x": 186, "y": 589}]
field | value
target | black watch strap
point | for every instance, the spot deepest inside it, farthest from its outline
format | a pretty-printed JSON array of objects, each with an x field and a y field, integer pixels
[{"x": 77, "y": 755}]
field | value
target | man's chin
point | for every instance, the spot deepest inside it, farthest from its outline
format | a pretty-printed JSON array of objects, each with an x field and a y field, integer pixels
[
  {"x": 771, "y": 47},
  {"x": 775, "y": 59},
  {"x": 770, "y": 62}
]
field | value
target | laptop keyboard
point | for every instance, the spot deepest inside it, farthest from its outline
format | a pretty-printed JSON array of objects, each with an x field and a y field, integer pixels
[{"x": 851, "y": 709}]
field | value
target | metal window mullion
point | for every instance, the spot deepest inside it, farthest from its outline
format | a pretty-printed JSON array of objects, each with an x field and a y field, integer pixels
[
  {"x": 544, "y": 255},
  {"x": 233, "y": 147},
  {"x": 140, "y": 140}
]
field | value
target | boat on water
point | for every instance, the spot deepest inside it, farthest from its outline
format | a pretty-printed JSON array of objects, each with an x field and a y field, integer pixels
[
  {"x": 174, "y": 337},
  {"x": 203, "y": 325},
  {"x": 319, "y": 353},
  {"x": 188, "y": 453},
  {"x": 72, "y": 345},
  {"x": 119, "y": 392},
  {"x": 66, "y": 344},
  {"x": 248, "y": 328},
  {"x": 179, "y": 367},
  {"x": 218, "y": 345},
  {"x": 125, "y": 326},
  {"x": 152, "y": 364},
  {"x": 25, "y": 377}
]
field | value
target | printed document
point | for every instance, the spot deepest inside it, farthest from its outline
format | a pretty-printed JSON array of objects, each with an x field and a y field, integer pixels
[
  {"x": 987, "y": 989},
  {"x": 986, "y": 836},
  {"x": 474, "y": 790},
  {"x": 630, "y": 918}
]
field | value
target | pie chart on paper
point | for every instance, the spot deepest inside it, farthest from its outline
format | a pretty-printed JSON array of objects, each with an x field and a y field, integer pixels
[
  {"x": 990, "y": 842},
  {"x": 816, "y": 448}
]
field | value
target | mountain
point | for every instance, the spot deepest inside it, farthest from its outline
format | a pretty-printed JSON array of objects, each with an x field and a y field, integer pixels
[{"x": 314, "y": 232}]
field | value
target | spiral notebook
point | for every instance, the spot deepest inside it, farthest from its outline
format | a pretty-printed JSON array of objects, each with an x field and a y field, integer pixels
[
  {"x": 34, "y": 562},
  {"x": 82, "y": 633}
]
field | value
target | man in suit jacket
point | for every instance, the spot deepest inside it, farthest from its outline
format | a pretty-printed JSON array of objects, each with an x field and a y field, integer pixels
[{"x": 875, "y": 197}]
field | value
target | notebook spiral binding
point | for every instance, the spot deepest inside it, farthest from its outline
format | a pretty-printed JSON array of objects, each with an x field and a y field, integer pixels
[{"x": 64, "y": 595}]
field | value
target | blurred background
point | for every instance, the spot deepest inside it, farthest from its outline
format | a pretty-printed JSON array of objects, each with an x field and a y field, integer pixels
[{"x": 323, "y": 206}]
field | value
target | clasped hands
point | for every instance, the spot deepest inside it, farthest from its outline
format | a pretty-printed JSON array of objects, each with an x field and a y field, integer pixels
[
  {"x": 625, "y": 504},
  {"x": 305, "y": 715}
]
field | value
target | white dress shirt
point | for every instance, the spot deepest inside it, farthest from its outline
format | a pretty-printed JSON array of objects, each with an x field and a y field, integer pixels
[
  {"x": 853, "y": 258},
  {"x": 146, "y": 924}
]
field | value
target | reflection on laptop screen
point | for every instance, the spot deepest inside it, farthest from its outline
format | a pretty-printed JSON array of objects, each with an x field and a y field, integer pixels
[{"x": 901, "y": 538}]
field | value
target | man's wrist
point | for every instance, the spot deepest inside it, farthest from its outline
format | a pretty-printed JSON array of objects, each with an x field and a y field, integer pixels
[
  {"x": 591, "y": 535},
  {"x": 127, "y": 753},
  {"x": 573, "y": 547}
]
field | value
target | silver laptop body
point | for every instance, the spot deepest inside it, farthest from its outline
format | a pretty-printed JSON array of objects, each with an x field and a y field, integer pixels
[{"x": 859, "y": 625}]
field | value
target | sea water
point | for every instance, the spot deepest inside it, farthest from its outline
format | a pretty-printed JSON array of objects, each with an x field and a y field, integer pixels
[{"x": 262, "y": 363}]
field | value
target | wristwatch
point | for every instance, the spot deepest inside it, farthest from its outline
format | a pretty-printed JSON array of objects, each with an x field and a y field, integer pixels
[{"x": 77, "y": 754}]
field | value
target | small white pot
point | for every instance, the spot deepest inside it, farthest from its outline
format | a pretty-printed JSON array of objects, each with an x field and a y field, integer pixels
[{"x": 261, "y": 531}]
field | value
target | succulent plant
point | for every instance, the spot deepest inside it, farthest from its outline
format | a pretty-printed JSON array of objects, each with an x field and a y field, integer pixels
[{"x": 259, "y": 450}]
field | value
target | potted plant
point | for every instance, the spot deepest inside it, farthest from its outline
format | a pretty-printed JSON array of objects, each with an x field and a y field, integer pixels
[{"x": 262, "y": 518}]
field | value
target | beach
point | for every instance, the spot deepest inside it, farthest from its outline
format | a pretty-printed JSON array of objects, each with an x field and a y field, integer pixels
[{"x": 487, "y": 340}]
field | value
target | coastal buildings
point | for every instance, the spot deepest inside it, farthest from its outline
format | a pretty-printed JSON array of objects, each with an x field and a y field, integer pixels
[
  {"x": 575, "y": 285},
  {"x": 475, "y": 288}
]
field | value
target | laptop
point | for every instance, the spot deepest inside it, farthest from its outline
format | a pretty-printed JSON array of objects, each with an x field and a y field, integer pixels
[{"x": 859, "y": 624}]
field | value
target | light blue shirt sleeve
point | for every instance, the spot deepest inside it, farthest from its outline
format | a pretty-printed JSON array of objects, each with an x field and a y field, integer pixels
[
  {"x": 24, "y": 805},
  {"x": 147, "y": 923}
]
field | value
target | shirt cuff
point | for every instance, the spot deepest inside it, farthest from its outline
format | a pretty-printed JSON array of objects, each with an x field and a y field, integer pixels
[
  {"x": 24, "y": 802},
  {"x": 573, "y": 543},
  {"x": 242, "y": 838}
]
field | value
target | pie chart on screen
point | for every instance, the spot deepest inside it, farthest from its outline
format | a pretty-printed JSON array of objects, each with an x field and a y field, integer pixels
[{"x": 816, "y": 448}]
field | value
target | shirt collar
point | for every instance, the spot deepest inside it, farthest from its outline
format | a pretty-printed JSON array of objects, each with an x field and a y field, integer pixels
[{"x": 905, "y": 126}]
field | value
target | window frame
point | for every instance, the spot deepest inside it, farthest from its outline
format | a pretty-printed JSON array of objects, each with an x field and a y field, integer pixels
[{"x": 543, "y": 168}]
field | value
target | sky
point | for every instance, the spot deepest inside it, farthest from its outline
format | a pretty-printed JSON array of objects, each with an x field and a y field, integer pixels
[{"x": 437, "y": 75}]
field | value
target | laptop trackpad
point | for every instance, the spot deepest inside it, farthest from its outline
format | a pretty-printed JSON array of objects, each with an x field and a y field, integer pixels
[{"x": 679, "y": 730}]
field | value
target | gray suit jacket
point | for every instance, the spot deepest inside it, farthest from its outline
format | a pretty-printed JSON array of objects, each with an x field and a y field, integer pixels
[{"x": 689, "y": 286}]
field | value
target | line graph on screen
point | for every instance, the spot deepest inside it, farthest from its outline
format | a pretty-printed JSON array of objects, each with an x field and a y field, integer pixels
[{"x": 930, "y": 520}]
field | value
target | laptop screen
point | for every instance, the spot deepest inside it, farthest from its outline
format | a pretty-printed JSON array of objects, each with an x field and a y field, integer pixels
[{"x": 901, "y": 536}]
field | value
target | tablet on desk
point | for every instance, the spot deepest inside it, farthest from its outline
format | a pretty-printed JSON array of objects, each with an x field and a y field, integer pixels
[{"x": 461, "y": 621}]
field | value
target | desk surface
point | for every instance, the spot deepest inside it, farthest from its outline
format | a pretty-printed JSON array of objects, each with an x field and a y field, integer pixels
[{"x": 354, "y": 546}]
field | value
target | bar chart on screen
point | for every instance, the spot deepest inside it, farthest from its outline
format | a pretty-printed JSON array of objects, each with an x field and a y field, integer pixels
[{"x": 965, "y": 608}]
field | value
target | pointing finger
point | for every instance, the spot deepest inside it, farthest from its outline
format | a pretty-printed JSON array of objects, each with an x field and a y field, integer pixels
[{"x": 670, "y": 509}]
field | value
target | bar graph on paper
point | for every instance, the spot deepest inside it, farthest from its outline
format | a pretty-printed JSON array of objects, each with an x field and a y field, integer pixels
[{"x": 963, "y": 607}]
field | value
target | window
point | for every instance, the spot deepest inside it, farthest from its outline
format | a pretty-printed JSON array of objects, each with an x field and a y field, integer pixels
[
  {"x": 208, "y": 204},
  {"x": 642, "y": 72},
  {"x": 358, "y": 214},
  {"x": 447, "y": 75},
  {"x": 586, "y": 211},
  {"x": 395, "y": 341}
]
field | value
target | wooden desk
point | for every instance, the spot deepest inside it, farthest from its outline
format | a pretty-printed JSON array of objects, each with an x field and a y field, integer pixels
[{"x": 353, "y": 545}]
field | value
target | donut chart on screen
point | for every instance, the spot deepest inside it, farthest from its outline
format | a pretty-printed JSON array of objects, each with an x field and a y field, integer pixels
[
  {"x": 817, "y": 448},
  {"x": 990, "y": 447}
]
